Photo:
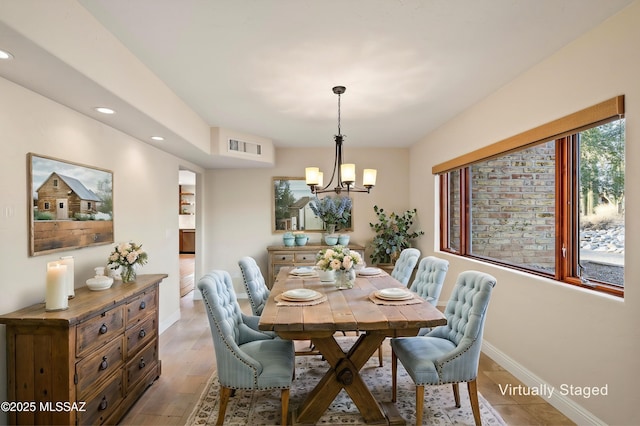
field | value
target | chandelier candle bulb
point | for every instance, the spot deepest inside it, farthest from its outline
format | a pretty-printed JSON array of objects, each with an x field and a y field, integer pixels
[
  {"x": 311, "y": 176},
  {"x": 56, "y": 297},
  {"x": 69, "y": 263},
  {"x": 348, "y": 172},
  {"x": 369, "y": 177}
]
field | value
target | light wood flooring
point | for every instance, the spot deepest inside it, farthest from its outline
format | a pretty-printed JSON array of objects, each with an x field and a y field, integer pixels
[{"x": 188, "y": 361}]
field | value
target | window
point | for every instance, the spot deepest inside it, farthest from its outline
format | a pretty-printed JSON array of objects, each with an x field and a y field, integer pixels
[{"x": 552, "y": 207}]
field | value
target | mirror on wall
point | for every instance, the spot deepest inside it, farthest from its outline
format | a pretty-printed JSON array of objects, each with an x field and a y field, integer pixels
[{"x": 290, "y": 207}]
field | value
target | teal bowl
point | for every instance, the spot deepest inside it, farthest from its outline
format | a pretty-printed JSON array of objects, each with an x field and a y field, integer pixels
[{"x": 330, "y": 240}]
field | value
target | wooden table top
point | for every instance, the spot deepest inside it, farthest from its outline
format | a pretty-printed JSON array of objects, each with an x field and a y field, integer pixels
[{"x": 345, "y": 310}]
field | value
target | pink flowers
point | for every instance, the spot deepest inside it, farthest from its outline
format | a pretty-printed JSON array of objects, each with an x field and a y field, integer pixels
[
  {"x": 337, "y": 258},
  {"x": 127, "y": 254}
]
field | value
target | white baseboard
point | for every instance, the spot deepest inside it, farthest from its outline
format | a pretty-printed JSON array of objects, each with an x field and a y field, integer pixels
[
  {"x": 173, "y": 318},
  {"x": 562, "y": 403}
]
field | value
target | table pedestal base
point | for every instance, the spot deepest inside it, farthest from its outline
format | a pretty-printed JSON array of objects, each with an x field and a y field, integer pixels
[{"x": 344, "y": 374}]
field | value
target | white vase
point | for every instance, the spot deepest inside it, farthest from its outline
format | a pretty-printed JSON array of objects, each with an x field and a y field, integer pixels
[{"x": 326, "y": 276}]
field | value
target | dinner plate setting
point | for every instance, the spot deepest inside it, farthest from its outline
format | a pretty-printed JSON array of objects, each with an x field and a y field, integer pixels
[
  {"x": 394, "y": 294},
  {"x": 304, "y": 272},
  {"x": 300, "y": 295},
  {"x": 369, "y": 271}
]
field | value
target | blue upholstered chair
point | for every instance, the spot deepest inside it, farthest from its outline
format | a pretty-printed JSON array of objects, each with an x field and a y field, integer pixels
[
  {"x": 405, "y": 264},
  {"x": 254, "y": 283},
  {"x": 246, "y": 358},
  {"x": 428, "y": 281},
  {"x": 449, "y": 353}
]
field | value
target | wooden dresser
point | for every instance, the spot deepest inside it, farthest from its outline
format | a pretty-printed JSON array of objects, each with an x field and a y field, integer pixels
[
  {"x": 281, "y": 256},
  {"x": 87, "y": 364}
]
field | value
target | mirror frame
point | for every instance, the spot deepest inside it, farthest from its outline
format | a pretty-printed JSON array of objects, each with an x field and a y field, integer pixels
[{"x": 298, "y": 182}]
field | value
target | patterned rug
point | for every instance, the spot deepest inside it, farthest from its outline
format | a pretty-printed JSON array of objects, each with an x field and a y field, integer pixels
[{"x": 263, "y": 407}]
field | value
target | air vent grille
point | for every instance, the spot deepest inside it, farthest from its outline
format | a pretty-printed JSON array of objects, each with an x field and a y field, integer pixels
[{"x": 245, "y": 147}]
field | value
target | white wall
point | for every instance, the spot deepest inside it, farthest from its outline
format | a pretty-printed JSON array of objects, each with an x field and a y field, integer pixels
[
  {"x": 555, "y": 333},
  {"x": 145, "y": 199},
  {"x": 238, "y": 202}
]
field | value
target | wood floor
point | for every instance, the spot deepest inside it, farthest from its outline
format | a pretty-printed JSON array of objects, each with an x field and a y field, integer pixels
[{"x": 186, "y": 351}]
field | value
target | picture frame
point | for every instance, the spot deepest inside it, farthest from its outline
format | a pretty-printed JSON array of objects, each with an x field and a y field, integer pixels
[
  {"x": 70, "y": 205},
  {"x": 290, "y": 210}
]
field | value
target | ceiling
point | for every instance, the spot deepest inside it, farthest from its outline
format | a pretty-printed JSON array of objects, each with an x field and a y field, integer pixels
[{"x": 267, "y": 67}]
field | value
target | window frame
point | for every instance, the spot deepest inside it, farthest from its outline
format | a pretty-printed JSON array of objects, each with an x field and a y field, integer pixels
[{"x": 565, "y": 133}]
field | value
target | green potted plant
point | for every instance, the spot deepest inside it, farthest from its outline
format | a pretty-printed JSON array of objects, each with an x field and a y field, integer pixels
[{"x": 393, "y": 234}]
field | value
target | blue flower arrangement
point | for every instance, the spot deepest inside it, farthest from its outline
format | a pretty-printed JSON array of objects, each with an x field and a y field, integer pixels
[{"x": 332, "y": 210}]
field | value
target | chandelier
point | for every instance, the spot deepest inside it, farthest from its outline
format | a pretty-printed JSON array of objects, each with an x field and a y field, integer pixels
[{"x": 343, "y": 174}]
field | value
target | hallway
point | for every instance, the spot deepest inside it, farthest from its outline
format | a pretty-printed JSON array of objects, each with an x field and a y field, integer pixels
[{"x": 187, "y": 273}]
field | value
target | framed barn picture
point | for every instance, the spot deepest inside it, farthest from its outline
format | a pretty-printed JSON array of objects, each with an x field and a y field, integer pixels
[{"x": 70, "y": 205}]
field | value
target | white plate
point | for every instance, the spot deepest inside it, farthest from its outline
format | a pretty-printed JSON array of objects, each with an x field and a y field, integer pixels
[
  {"x": 303, "y": 271},
  {"x": 394, "y": 294},
  {"x": 300, "y": 294},
  {"x": 369, "y": 271}
]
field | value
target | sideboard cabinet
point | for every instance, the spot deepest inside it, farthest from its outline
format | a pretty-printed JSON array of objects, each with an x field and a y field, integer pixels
[
  {"x": 87, "y": 364},
  {"x": 281, "y": 256}
]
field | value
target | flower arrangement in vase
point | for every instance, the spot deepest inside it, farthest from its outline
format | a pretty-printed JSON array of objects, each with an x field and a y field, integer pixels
[
  {"x": 126, "y": 256},
  {"x": 333, "y": 211},
  {"x": 341, "y": 261}
]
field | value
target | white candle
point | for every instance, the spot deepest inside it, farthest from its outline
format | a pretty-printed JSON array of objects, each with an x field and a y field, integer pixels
[
  {"x": 68, "y": 261},
  {"x": 56, "y": 296}
]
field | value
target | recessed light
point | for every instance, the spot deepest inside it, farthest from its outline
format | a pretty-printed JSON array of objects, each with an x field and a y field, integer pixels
[
  {"x": 157, "y": 138},
  {"x": 105, "y": 110},
  {"x": 5, "y": 55}
]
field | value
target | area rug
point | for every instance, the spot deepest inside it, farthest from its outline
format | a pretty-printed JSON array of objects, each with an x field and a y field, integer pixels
[{"x": 263, "y": 407}]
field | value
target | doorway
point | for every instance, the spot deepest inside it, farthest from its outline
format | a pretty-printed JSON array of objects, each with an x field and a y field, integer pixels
[{"x": 187, "y": 229}]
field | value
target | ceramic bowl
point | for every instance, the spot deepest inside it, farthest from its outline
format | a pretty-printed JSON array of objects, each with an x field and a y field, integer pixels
[
  {"x": 331, "y": 240},
  {"x": 99, "y": 282}
]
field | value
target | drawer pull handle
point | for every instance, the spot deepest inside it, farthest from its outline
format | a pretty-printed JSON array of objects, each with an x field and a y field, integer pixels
[
  {"x": 103, "y": 328},
  {"x": 104, "y": 364},
  {"x": 143, "y": 305},
  {"x": 142, "y": 333},
  {"x": 141, "y": 364},
  {"x": 103, "y": 404}
]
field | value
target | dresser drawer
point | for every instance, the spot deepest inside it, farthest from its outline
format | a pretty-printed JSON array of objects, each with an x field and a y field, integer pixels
[
  {"x": 283, "y": 257},
  {"x": 305, "y": 258},
  {"x": 101, "y": 404},
  {"x": 140, "y": 364},
  {"x": 141, "y": 306},
  {"x": 140, "y": 335},
  {"x": 99, "y": 330},
  {"x": 99, "y": 365}
]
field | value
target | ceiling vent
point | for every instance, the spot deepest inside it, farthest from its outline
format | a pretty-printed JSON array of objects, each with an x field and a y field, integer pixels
[
  {"x": 252, "y": 148},
  {"x": 233, "y": 149}
]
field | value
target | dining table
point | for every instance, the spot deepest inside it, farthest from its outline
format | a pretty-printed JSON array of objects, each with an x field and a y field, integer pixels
[{"x": 331, "y": 313}]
